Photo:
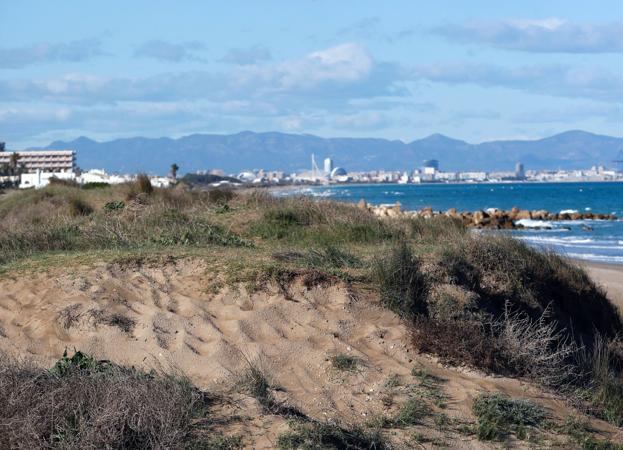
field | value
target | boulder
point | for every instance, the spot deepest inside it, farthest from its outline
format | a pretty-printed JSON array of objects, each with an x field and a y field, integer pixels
[{"x": 523, "y": 214}]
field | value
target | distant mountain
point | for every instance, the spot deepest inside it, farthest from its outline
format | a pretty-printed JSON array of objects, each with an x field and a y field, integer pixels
[{"x": 292, "y": 152}]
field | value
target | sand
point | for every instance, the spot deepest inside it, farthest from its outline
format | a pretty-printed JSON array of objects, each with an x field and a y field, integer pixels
[
  {"x": 610, "y": 277},
  {"x": 173, "y": 314}
]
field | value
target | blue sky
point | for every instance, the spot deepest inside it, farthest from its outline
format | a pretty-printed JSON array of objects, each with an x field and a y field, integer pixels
[{"x": 477, "y": 70}]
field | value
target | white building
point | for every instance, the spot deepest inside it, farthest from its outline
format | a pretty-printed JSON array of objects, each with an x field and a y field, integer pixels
[
  {"x": 100, "y": 176},
  {"x": 39, "y": 179},
  {"x": 53, "y": 161},
  {"x": 328, "y": 166}
]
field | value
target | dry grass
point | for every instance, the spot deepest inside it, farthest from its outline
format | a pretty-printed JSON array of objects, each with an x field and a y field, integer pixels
[{"x": 82, "y": 403}]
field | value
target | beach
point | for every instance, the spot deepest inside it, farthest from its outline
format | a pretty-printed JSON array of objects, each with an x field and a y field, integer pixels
[{"x": 610, "y": 277}]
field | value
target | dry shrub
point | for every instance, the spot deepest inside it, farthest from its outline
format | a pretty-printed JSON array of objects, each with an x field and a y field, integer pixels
[
  {"x": 143, "y": 184},
  {"x": 220, "y": 196},
  {"x": 78, "y": 207},
  {"x": 82, "y": 403},
  {"x": 403, "y": 286},
  {"x": 503, "y": 270}
]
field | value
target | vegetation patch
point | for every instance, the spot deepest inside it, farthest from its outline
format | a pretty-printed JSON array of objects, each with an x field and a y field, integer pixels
[
  {"x": 499, "y": 415},
  {"x": 85, "y": 403},
  {"x": 305, "y": 435},
  {"x": 345, "y": 362}
]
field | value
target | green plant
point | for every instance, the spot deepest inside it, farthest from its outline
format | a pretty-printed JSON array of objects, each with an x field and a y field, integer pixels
[
  {"x": 345, "y": 362},
  {"x": 116, "y": 205},
  {"x": 95, "y": 185},
  {"x": 403, "y": 286},
  {"x": 499, "y": 414},
  {"x": 412, "y": 412},
  {"x": 307, "y": 435}
]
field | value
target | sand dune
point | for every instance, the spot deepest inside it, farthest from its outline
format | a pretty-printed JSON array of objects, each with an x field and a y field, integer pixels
[{"x": 172, "y": 315}]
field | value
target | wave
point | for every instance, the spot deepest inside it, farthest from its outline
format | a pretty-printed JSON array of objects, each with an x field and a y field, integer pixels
[
  {"x": 530, "y": 223},
  {"x": 596, "y": 257}
]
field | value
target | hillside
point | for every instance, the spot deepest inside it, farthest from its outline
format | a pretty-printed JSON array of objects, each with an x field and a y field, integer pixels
[
  {"x": 290, "y": 324},
  {"x": 292, "y": 152}
]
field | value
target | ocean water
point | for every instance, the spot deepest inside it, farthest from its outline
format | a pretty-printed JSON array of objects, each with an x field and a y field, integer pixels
[{"x": 603, "y": 244}]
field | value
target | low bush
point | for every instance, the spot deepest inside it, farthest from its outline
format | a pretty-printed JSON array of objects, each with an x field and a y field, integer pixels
[
  {"x": 85, "y": 403},
  {"x": 403, "y": 286},
  {"x": 316, "y": 435},
  {"x": 412, "y": 412},
  {"x": 95, "y": 185},
  {"x": 499, "y": 415},
  {"x": 143, "y": 184},
  {"x": 78, "y": 207},
  {"x": 345, "y": 362}
]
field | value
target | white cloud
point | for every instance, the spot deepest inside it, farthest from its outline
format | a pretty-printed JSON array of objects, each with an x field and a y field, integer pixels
[
  {"x": 543, "y": 36},
  {"x": 170, "y": 51},
  {"x": 246, "y": 56},
  {"x": 45, "y": 52}
]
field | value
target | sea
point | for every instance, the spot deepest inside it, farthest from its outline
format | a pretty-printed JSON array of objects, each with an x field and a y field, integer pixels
[{"x": 592, "y": 240}]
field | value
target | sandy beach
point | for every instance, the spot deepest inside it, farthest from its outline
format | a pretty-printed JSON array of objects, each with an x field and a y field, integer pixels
[{"x": 609, "y": 276}]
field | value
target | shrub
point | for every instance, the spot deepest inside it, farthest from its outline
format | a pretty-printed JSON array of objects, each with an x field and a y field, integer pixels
[
  {"x": 85, "y": 403},
  {"x": 403, "y": 287},
  {"x": 143, "y": 184},
  {"x": 411, "y": 412},
  {"x": 220, "y": 196},
  {"x": 78, "y": 207},
  {"x": 498, "y": 415},
  {"x": 317, "y": 435},
  {"x": 62, "y": 182},
  {"x": 116, "y": 205},
  {"x": 95, "y": 185},
  {"x": 345, "y": 362}
]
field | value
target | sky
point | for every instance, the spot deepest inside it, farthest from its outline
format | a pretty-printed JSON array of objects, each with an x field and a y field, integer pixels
[{"x": 477, "y": 70}]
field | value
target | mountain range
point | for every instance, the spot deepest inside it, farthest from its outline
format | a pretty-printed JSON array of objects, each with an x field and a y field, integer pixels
[{"x": 292, "y": 152}]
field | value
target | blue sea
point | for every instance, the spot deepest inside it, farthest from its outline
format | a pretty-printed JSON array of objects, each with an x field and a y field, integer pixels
[{"x": 603, "y": 244}]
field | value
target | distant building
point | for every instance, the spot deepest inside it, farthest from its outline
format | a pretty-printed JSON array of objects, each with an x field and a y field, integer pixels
[
  {"x": 519, "y": 171},
  {"x": 45, "y": 160},
  {"x": 431, "y": 163},
  {"x": 328, "y": 166},
  {"x": 39, "y": 179}
]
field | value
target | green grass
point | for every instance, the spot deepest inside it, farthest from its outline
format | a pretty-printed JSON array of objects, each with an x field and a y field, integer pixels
[
  {"x": 308, "y": 435},
  {"x": 345, "y": 362},
  {"x": 499, "y": 415},
  {"x": 412, "y": 412}
]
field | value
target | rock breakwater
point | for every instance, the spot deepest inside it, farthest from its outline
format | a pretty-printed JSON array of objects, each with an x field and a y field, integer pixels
[{"x": 490, "y": 218}]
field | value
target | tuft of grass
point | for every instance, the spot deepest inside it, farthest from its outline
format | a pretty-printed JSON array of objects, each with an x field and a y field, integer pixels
[
  {"x": 345, "y": 362},
  {"x": 499, "y": 414},
  {"x": 316, "y": 435},
  {"x": 256, "y": 384},
  {"x": 403, "y": 286},
  {"x": 412, "y": 412}
]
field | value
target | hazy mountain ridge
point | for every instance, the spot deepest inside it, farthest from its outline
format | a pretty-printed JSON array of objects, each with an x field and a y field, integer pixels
[{"x": 292, "y": 152}]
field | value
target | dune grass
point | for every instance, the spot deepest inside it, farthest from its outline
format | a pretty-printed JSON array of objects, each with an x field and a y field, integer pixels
[{"x": 487, "y": 301}]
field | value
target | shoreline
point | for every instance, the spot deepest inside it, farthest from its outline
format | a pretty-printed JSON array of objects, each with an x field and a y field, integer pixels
[{"x": 608, "y": 276}]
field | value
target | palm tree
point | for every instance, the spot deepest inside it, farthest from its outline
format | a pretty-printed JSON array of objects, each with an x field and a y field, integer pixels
[
  {"x": 13, "y": 162},
  {"x": 174, "y": 169}
]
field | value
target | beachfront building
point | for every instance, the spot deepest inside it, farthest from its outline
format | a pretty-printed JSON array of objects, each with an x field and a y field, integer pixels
[
  {"x": 100, "y": 176},
  {"x": 50, "y": 161},
  {"x": 39, "y": 178}
]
